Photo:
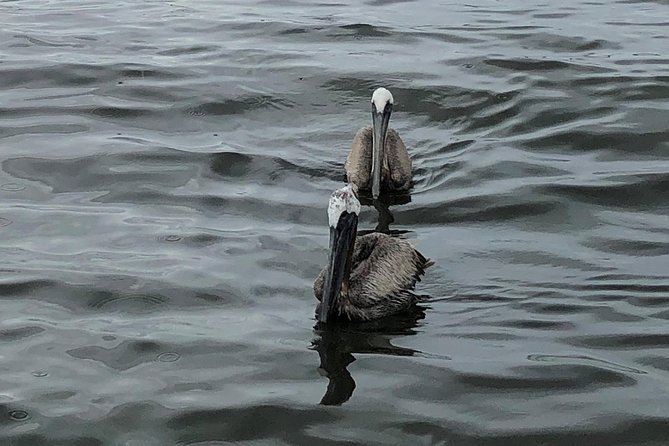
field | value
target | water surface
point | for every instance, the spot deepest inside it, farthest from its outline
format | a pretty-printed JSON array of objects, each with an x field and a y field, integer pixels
[{"x": 164, "y": 173}]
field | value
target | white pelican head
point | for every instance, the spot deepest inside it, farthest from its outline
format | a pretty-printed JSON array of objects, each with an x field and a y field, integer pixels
[
  {"x": 342, "y": 200},
  {"x": 380, "y": 98}
]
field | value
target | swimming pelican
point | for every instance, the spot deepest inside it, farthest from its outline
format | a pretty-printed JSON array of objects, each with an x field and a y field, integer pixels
[
  {"x": 378, "y": 158},
  {"x": 367, "y": 277}
]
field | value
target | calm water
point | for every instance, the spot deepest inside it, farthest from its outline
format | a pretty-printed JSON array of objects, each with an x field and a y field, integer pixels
[{"x": 165, "y": 168}]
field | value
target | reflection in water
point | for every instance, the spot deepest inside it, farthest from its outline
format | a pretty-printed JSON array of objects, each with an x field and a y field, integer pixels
[
  {"x": 337, "y": 343},
  {"x": 382, "y": 206},
  {"x": 335, "y": 357}
]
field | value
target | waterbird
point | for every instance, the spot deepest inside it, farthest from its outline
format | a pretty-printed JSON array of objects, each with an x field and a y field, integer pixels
[
  {"x": 378, "y": 159},
  {"x": 369, "y": 276}
]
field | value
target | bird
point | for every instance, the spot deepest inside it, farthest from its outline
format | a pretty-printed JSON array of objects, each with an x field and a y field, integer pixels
[
  {"x": 378, "y": 160},
  {"x": 369, "y": 276}
]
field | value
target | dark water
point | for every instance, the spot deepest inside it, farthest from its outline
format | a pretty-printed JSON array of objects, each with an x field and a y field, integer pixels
[{"x": 165, "y": 168}]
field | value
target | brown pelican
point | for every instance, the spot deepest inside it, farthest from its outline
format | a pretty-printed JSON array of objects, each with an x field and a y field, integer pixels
[
  {"x": 367, "y": 277},
  {"x": 378, "y": 158}
]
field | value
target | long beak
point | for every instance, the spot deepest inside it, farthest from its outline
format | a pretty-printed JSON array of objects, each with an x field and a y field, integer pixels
[
  {"x": 380, "y": 128},
  {"x": 342, "y": 242}
]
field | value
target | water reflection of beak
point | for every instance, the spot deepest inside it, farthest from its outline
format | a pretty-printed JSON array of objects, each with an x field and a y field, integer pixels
[{"x": 342, "y": 242}]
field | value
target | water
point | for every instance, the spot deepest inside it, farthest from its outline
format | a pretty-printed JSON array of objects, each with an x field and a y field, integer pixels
[{"x": 165, "y": 168}]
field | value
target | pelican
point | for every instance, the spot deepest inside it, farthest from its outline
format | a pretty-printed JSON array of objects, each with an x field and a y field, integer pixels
[
  {"x": 367, "y": 277},
  {"x": 378, "y": 159}
]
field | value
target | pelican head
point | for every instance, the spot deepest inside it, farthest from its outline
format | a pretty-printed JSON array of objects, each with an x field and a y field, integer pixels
[
  {"x": 343, "y": 211},
  {"x": 382, "y": 107}
]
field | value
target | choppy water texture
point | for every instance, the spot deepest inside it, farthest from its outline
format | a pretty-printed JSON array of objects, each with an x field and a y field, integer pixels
[{"x": 165, "y": 168}]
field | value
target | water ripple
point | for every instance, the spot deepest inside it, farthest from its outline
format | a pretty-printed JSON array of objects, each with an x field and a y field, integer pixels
[{"x": 164, "y": 175}]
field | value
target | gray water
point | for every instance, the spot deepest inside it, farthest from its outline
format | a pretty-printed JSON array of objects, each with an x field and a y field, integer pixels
[{"x": 165, "y": 170}]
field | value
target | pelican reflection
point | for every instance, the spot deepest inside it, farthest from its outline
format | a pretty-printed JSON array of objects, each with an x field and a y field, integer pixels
[
  {"x": 336, "y": 345},
  {"x": 382, "y": 206}
]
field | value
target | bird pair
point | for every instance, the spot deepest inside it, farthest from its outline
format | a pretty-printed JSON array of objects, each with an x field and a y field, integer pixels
[{"x": 371, "y": 276}]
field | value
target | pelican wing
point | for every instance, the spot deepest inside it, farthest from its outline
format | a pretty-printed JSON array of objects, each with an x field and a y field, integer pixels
[
  {"x": 318, "y": 285},
  {"x": 399, "y": 163},
  {"x": 386, "y": 271},
  {"x": 359, "y": 161}
]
